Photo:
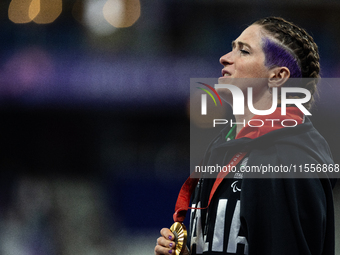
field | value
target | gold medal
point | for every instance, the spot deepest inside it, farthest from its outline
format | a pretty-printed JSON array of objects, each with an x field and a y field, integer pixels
[{"x": 180, "y": 233}]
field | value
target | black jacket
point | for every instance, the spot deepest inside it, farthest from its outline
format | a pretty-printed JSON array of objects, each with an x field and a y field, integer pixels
[{"x": 267, "y": 215}]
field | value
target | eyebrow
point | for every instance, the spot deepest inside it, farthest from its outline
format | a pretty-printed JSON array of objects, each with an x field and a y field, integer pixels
[{"x": 241, "y": 44}]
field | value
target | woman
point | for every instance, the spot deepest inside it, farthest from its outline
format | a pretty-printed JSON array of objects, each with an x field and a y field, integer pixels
[{"x": 273, "y": 215}]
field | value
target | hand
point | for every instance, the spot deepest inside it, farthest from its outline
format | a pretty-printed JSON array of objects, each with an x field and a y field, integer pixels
[{"x": 165, "y": 243}]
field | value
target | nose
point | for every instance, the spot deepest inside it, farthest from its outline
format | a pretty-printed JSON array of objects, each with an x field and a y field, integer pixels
[{"x": 226, "y": 59}]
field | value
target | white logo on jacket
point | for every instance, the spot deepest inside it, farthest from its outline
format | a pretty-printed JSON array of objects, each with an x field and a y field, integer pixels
[{"x": 234, "y": 186}]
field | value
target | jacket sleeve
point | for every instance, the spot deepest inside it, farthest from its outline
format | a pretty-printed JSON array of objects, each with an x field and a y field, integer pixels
[{"x": 287, "y": 216}]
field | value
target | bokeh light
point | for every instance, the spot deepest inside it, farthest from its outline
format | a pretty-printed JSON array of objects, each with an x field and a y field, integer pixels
[
  {"x": 122, "y": 13},
  {"x": 49, "y": 11},
  {"x": 39, "y": 11},
  {"x": 94, "y": 19},
  {"x": 34, "y": 9},
  {"x": 102, "y": 17},
  {"x": 18, "y": 11}
]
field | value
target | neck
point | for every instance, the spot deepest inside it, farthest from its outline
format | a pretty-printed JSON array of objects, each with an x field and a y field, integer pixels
[
  {"x": 263, "y": 103},
  {"x": 242, "y": 120}
]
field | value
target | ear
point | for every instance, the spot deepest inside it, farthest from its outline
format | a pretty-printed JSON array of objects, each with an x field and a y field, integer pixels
[{"x": 278, "y": 76}]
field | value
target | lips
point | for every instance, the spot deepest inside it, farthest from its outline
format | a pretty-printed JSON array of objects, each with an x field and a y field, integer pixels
[{"x": 225, "y": 73}]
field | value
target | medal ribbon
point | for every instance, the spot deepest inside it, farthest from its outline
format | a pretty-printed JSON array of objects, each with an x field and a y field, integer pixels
[{"x": 183, "y": 200}]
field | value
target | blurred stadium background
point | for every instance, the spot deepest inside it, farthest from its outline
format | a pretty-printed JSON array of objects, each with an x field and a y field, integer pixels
[{"x": 94, "y": 130}]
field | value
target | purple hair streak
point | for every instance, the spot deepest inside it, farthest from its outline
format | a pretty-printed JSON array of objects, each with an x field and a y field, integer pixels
[{"x": 277, "y": 55}]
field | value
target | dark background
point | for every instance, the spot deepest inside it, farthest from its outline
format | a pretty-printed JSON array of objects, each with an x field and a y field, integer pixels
[{"x": 94, "y": 130}]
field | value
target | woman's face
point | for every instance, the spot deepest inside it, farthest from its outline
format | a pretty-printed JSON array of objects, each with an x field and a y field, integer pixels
[{"x": 247, "y": 59}]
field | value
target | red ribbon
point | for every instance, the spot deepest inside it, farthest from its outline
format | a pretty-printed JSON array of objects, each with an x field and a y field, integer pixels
[{"x": 183, "y": 200}]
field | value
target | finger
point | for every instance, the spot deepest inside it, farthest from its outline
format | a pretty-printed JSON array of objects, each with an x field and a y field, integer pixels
[
  {"x": 163, "y": 250},
  {"x": 165, "y": 243},
  {"x": 167, "y": 234}
]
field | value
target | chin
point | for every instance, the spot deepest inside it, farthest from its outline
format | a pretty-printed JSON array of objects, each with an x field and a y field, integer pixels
[{"x": 225, "y": 80}]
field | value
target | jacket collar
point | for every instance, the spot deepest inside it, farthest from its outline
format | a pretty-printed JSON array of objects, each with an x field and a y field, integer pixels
[{"x": 271, "y": 122}]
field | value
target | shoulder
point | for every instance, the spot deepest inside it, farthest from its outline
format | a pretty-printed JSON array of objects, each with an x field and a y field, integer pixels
[
  {"x": 292, "y": 149},
  {"x": 302, "y": 143}
]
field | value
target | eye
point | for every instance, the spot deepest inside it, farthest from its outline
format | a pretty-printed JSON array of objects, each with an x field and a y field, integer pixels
[{"x": 244, "y": 52}]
